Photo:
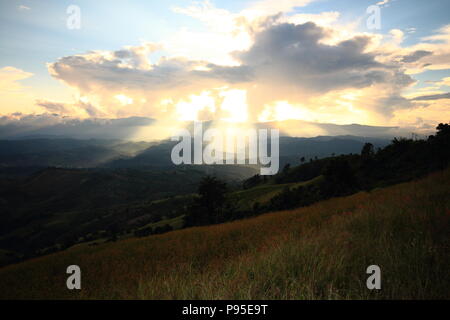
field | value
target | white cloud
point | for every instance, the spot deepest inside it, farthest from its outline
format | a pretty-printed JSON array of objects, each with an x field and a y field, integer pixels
[
  {"x": 9, "y": 77},
  {"x": 286, "y": 62},
  {"x": 383, "y": 3},
  {"x": 305, "y": 65},
  {"x": 14, "y": 96}
]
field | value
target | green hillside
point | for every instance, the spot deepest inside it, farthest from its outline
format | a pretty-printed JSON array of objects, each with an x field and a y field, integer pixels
[
  {"x": 316, "y": 252},
  {"x": 262, "y": 194},
  {"x": 55, "y": 208}
]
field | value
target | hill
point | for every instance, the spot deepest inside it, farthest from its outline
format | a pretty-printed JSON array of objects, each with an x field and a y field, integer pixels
[
  {"x": 56, "y": 207},
  {"x": 69, "y": 153},
  {"x": 316, "y": 252},
  {"x": 90, "y": 153},
  {"x": 262, "y": 194}
]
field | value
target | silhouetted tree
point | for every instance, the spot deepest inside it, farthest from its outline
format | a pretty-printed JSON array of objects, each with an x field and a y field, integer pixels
[
  {"x": 339, "y": 176},
  {"x": 207, "y": 208},
  {"x": 367, "y": 151},
  {"x": 440, "y": 145}
]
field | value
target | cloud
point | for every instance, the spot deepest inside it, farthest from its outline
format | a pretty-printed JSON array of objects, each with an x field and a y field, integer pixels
[
  {"x": 123, "y": 69},
  {"x": 416, "y": 55},
  {"x": 327, "y": 18},
  {"x": 439, "y": 45},
  {"x": 293, "y": 62},
  {"x": 444, "y": 82},
  {"x": 430, "y": 53},
  {"x": 432, "y": 97},
  {"x": 55, "y": 107},
  {"x": 23, "y": 7},
  {"x": 290, "y": 54},
  {"x": 232, "y": 31},
  {"x": 43, "y": 125},
  {"x": 81, "y": 108},
  {"x": 19, "y": 125},
  {"x": 269, "y": 7},
  {"x": 397, "y": 36},
  {"x": 383, "y": 3},
  {"x": 137, "y": 56},
  {"x": 9, "y": 77},
  {"x": 321, "y": 70},
  {"x": 284, "y": 56},
  {"x": 14, "y": 96}
]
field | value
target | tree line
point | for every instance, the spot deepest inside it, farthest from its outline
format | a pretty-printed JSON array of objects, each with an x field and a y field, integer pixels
[{"x": 402, "y": 160}]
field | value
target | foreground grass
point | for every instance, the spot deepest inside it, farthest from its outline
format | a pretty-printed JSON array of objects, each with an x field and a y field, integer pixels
[{"x": 317, "y": 252}]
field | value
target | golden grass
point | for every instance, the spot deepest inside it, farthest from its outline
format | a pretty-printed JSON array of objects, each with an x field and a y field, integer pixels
[{"x": 317, "y": 252}]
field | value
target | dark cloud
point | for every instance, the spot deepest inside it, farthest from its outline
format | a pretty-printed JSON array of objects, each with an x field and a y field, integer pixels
[
  {"x": 433, "y": 97},
  {"x": 393, "y": 102},
  {"x": 283, "y": 54},
  {"x": 228, "y": 74},
  {"x": 54, "y": 107},
  {"x": 55, "y": 125},
  {"x": 415, "y": 56},
  {"x": 286, "y": 62},
  {"x": 100, "y": 72},
  {"x": 294, "y": 54},
  {"x": 68, "y": 109}
]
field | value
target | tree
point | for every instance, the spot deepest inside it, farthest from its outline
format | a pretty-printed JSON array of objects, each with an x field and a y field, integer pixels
[
  {"x": 339, "y": 176},
  {"x": 212, "y": 193},
  {"x": 207, "y": 208},
  {"x": 368, "y": 150},
  {"x": 440, "y": 145},
  {"x": 443, "y": 130}
]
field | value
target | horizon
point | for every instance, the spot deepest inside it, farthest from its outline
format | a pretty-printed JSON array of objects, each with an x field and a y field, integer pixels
[{"x": 137, "y": 128}]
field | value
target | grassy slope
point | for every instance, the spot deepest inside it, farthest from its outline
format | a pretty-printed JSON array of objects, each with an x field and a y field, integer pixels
[
  {"x": 263, "y": 193},
  {"x": 321, "y": 251}
]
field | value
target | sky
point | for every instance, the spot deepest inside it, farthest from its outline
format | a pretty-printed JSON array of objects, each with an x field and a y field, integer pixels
[{"x": 374, "y": 63}]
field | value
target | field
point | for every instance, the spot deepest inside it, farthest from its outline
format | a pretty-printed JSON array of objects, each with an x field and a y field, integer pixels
[
  {"x": 317, "y": 252},
  {"x": 245, "y": 199}
]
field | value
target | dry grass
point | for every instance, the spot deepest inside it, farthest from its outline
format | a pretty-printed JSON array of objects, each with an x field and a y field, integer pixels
[{"x": 318, "y": 252}]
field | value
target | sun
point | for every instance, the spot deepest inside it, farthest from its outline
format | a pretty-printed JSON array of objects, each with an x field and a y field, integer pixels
[{"x": 229, "y": 105}]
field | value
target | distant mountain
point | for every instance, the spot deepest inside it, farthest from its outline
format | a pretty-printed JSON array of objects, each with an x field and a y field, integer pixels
[
  {"x": 291, "y": 150},
  {"x": 300, "y": 128},
  {"x": 52, "y": 125},
  {"x": 74, "y": 153},
  {"x": 65, "y": 152}
]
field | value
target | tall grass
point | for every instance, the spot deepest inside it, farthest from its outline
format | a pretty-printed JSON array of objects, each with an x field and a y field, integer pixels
[{"x": 317, "y": 252}]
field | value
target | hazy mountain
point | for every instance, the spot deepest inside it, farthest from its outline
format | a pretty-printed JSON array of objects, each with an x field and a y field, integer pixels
[
  {"x": 291, "y": 150},
  {"x": 65, "y": 152},
  {"x": 53, "y": 125},
  {"x": 73, "y": 153}
]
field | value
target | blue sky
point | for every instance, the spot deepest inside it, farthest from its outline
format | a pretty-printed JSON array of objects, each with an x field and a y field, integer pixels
[{"x": 34, "y": 35}]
